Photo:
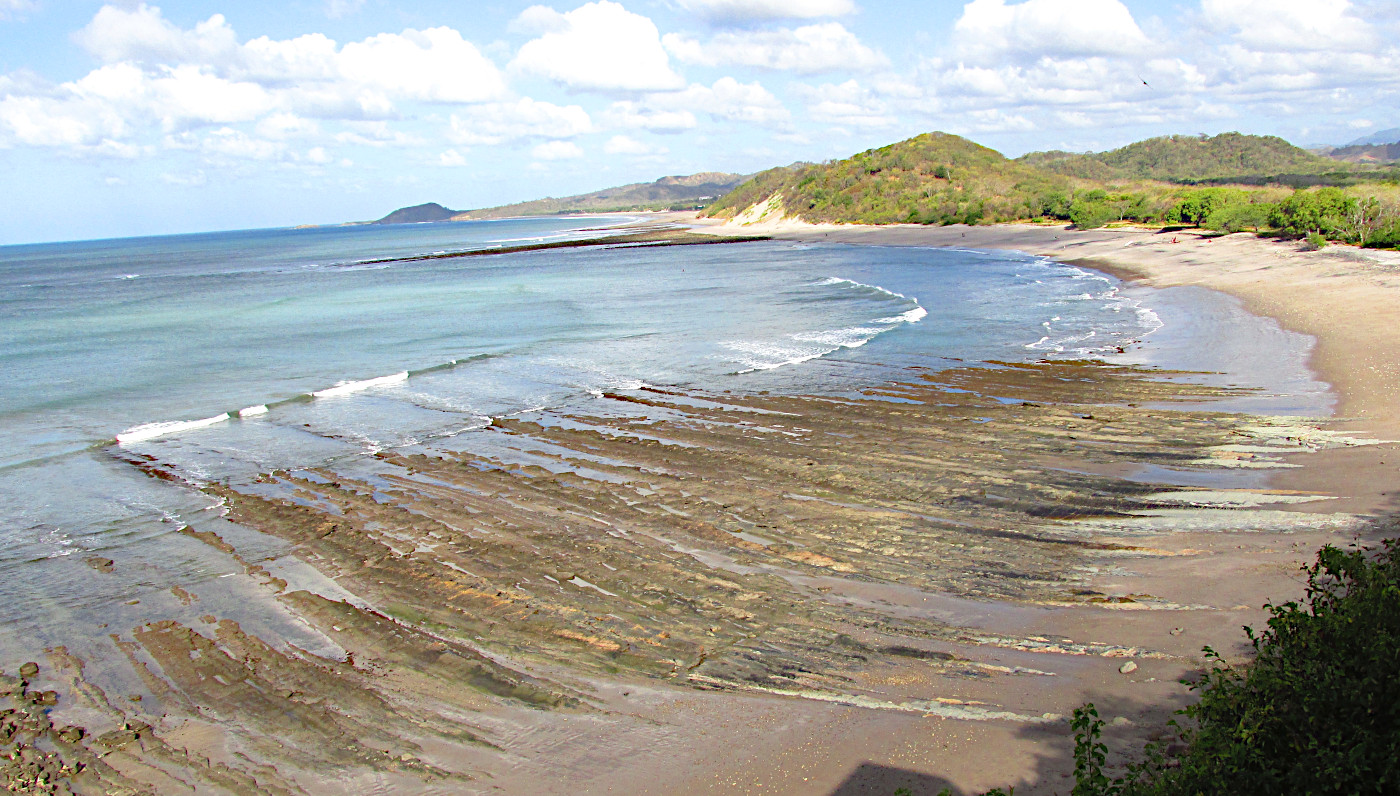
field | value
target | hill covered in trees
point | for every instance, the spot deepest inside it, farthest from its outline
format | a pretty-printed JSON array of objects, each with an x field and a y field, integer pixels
[
  {"x": 1189, "y": 159},
  {"x": 1251, "y": 182}
]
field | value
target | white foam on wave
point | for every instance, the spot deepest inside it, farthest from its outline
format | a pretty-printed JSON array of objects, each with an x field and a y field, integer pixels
[
  {"x": 351, "y": 387},
  {"x": 912, "y": 316},
  {"x": 253, "y": 411},
  {"x": 854, "y": 337},
  {"x": 837, "y": 280},
  {"x": 762, "y": 355},
  {"x": 153, "y": 430},
  {"x": 767, "y": 356}
]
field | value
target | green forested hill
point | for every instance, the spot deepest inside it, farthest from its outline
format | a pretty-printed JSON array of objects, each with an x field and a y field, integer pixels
[
  {"x": 1184, "y": 158},
  {"x": 937, "y": 178}
]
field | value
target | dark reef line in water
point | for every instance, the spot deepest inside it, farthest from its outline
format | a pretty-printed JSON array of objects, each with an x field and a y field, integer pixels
[{"x": 666, "y": 236}]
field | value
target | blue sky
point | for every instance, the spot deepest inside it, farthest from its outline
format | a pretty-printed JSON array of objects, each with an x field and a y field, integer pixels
[{"x": 130, "y": 118}]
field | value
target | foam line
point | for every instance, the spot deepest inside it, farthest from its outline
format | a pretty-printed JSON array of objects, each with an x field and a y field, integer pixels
[
  {"x": 154, "y": 430},
  {"x": 352, "y": 387}
]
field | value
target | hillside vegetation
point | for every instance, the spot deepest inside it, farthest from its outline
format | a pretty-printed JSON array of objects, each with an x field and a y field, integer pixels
[
  {"x": 1189, "y": 159},
  {"x": 1250, "y": 183},
  {"x": 667, "y": 193}
]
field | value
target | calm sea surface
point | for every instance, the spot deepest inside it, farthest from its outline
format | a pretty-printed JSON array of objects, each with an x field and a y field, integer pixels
[{"x": 237, "y": 353}]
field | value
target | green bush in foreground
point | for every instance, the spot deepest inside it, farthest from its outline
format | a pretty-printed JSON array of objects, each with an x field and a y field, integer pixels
[{"x": 1316, "y": 712}]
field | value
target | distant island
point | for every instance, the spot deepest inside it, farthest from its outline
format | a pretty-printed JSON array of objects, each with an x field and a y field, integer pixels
[{"x": 691, "y": 192}]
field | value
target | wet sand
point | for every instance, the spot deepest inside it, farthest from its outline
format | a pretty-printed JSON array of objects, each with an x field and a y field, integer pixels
[{"x": 662, "y": 591}]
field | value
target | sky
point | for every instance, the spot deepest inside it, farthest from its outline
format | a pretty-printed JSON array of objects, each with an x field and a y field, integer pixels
[{"x": 130, "y": 118}]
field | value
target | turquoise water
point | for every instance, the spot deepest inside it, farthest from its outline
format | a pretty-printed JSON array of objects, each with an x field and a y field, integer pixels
[{"x": 225, "y": 355}]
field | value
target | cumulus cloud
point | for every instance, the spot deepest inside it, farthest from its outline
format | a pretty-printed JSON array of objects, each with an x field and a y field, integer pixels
[
  {"x": 495, "y": 123},
  {"x": 626, "y": 145},
  {"x": 451, "y": 158},
  {"x": 598, "y": 46},
  {"x": 727, "y": 99},
  {"x": 992, "y": 31},
  {"x": 556, "y": 150},
  {"x": 142, "y": 35},
  {"x": 436, "y": 65},
  {"x": 66, "y": 122},
  {"x": 159, "y": 80},
  {"x": 287, "y": 125},
  {"x": 813, "y": 48},
  {"x": 362, "y": 78},
  {"x": 638, "y": 115},
  {"x": 1285, "y": 26},
  {"x": 376, "y": 133},
  {"x": 746, "y": 10},
  {"x": 848, "y": 104}
]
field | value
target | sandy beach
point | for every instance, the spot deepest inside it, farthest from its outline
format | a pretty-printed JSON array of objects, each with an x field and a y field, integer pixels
[{"x": 685, "y": 592}]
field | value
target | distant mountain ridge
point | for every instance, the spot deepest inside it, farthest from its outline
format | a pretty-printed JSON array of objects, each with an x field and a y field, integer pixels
[
  {"x": 1365, "y": 153},
  {"x": 1380, "y": 137},
  {"x": 676, "y": 192}
]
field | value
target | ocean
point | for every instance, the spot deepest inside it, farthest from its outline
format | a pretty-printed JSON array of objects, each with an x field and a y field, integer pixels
[{"x": 218, "y": 357}]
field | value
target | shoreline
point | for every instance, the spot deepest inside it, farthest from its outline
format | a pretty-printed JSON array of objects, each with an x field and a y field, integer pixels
[
  {"x": 670, "y": 590},
  {"x": 1319, "y": 293},
  {"x": 1346, "y": 299}
]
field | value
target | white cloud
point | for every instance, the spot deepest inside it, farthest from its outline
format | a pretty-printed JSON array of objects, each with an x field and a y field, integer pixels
[
  {"x": 287, "y": 125},
  {"x": 556, "y": 150},
  {"x": 238, "y": 145},
  {"x": 186, "y": 94},
  {"x": 309, "y": 72},
  {"x": 436, "y": 65},
  {"x": 526, "y": 118},
  {"x": 376, "y": 134},
  {"x": 626, "y": 145},
  {"x": 452, "y": 158},
  {"x": 743, "y": 10},
  {"x": 1285, "y": 26},
  {"x": 142, "y": 35},
  {"x": 157, "y": 78},
  {"x": 994, "y": 120},
  {"x": 992, "y": 31},
  {"x": 312, "y": 57},
  {"x": 847, "y": 104},
  {"x": 635, "y": 115},
  {"x": 813, "y": 48},
  {"x": 192, "y": 179},
  {"x": 73, "y": 123},
  {"x": 727, "y": 99},
  {"x": 600, "y": 46}
]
